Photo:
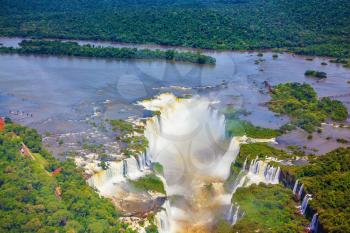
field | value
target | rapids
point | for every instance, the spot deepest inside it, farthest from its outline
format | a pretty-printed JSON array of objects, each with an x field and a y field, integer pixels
[{"x": 188, "y": 139}]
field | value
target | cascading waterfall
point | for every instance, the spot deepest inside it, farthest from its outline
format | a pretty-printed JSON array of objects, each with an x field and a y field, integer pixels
[
  {"x": 244, "y": 164},
  {"x": 259, "y": 172},
  {"x": 131, "y": 168},
  {"x": 103, "y": 181},
  {"x": 232, "y": 215},
  {"x": 305, "y": 203},
  {"x": 125, "y": 168},
  {"x": 300, "y": 192},
  {"x": 295, "y": 187},
  {"x": 235, "y": 216},
  {"x": 188, "y": 140},
  {"x": 163, "y": 219},
  {"x": 141, "y": 161},
  {"x": 262, "y": 171},
  {"x": 314, "y": 223}
]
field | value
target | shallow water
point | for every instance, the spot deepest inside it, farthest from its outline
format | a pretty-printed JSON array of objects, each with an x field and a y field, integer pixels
[{"x": 64, "y": 94}]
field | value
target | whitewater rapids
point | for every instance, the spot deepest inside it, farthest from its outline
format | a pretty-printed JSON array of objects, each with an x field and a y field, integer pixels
[{"x": 188, "y": 139}]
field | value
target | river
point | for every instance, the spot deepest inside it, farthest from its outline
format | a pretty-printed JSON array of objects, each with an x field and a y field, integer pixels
[{"x": 69, "y": 95}]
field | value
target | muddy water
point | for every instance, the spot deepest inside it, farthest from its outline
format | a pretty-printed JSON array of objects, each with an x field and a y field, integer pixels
[{"x": 64, "y": 94}]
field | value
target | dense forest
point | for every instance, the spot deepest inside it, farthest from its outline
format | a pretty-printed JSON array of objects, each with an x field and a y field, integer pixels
[
  {"x": 47, "y": 47},
  {"x": 278, "y": 208},
  {"x": 327, "y": 178},
  {"x": 314, "y": 27},
  {"x": 301, "y": 104},
  {"x": 41, "y": 194}
]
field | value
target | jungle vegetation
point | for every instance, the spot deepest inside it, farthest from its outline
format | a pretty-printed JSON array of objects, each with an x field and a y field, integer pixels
[
  {"x": 327, "y": 178},
  {"x": 314, "y": 27},
  {"x": 306, "y": 110},
  {"x": 268, "y": 209},
  {"x": 317, "y": 74},
  {"x": 45, "y": 195},
  {"x": 48, "y": 47},
  {"x": 149, "y": 182}
]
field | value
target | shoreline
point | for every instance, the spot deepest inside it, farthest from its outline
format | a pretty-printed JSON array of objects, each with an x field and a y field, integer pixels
[{"x": 154, "y": 46}]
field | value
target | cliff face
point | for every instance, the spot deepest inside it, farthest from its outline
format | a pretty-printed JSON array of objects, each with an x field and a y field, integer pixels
[{"x": 288, "y": 180}]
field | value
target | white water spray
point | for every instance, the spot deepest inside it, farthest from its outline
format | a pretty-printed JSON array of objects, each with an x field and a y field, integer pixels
[
  {"x": 188, "y": 140},
  {"x": 295, "y": 187},
  {"x": 305, "y": 203},
  {"x": 314, "y": 223}
]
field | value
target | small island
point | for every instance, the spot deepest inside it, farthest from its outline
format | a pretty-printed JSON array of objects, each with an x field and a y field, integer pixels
[
  {"x": 316, "y": 74},
  {"x": 49, "y": 47},
  {"x": 306, "y": 110}
]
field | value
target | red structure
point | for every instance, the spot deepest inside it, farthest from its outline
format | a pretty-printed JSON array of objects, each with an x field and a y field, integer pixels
[
  {"x": 2, "y": 124},
  {"x": 56, "y": 171}
]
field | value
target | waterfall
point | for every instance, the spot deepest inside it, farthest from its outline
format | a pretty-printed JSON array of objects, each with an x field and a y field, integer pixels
[
  {"x": 148, "y": 160},
  {"x": 229, "y": 215},
  {"x": 125, "y": 168},
  {"x": 232, "y": 215},
  {"x": 188, "y": 140},
  {"x": 244, "y": 164},
  {"x": 314, "y": 223},
  {"x": 305, "y": 202},
  {"x": 163, "y": 219},
  {"x": 300, "y": 190},
  {"x": 276, "y": 177},
  {"x": 235, "y": 216},
  {"x": 262, "y": 171},
  {"x": 295, "y": 187},
  {"x": 131, "y": 168},
  {"x": 141, "y": 161},
  {"x": 104, "y": 180}
]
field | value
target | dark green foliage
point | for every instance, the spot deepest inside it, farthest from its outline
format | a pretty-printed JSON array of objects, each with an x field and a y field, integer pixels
[
  {"x": 317, "y": 74},
  {"x": 300, "y": 102},
  {"x": 268, "y": 209},
  {"x": 74, "y": 49},
  {"x": 327, "y": 178},
  {"x": 27, "y": 196},
  {"x": 315, "y": 27},
  {"x": 149, "y": 182}
]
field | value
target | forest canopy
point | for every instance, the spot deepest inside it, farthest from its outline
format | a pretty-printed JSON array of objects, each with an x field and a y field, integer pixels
[
  {"x": 316, "y": 27},
  {"x": 327, "y": 178},
  {"x": 301, "y": 104},
  {"x": 48, "y": 47},
  {"x": 34, "y": 198}
]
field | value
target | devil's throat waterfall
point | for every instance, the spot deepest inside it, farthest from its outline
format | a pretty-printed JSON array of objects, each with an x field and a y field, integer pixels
[{"x": 188, "y": 140}]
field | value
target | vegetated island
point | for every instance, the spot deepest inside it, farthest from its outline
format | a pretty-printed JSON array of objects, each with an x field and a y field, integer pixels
[
  {"x": 316, "y": 74},
  {"x": 306, "y": 110},
  {"x": 49, "y": 47}
]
